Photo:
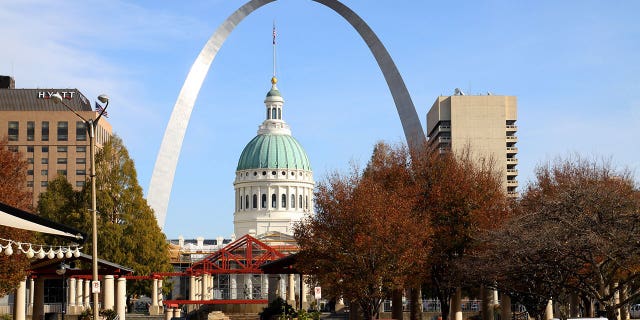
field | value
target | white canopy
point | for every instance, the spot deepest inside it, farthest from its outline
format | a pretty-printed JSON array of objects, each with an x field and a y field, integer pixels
[{"x": 16, "y": 218}]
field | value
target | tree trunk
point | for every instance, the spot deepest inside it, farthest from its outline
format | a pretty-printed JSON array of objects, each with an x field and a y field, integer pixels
[
  {"x": 487, "y": 306},
  {"x": 416, "y": 304},
  {"x": 396, "y": 304}
]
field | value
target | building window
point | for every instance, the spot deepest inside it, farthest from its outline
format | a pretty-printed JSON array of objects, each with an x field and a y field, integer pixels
[
  {"x": 81, "y": 131},
  {"x": 63, "y": 131},
  {"x": 79, "y": 184},
  {"x": 81, "y": 172},
  {"x": 300, "y": 202},
  {"x": 62, "y": 160},
  {"x": 44, "y": 172},
  {"x": 31, "y": 130},
  {"x": 62, "y": 173},
  {"x": 30, "y": 160},
  {"x": 246, "y": 202},
  {"x": 29, "y": 172},
  {"x": 255, "y": 201},
  {"x": 44, "y": 160},
  {"x": 293, "y": 201},
  {"x": 45, "y": 131},
  {"x": 13, "y": 148},
  {"x": 273, "y": 200},
  {"x": 29, "y": 148},
  {"x": 306, "y": 202},
  {"x": 81, "y": 160},
  {"x": 12, "y": 132},
  {"x": 240, "y": 202},
  {"x": 263, "y": 203},
  {"x": 44, "y": 183},
  {"x": 45, "y": 148},
  {"x": 273, "y": 113},
  {"x": 30, "y": 184},
  {"x": 284, "y": 200},
  {"x": 62, "y": 149},
  {"x": 81, "y": 149}
]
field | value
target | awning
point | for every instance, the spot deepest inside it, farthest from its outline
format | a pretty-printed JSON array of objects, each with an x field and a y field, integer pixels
[{"x": 16, "y": 218}]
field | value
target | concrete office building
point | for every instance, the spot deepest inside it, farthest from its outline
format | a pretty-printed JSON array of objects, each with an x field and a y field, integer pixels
[
  {"x": 53, "y": 139},
  {"x": 484, "y": 123}
]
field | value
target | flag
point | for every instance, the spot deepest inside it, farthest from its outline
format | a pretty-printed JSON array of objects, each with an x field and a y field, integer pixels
[
  {"x": 274, "y": 34},
  {"x": 100, "y": 109}
]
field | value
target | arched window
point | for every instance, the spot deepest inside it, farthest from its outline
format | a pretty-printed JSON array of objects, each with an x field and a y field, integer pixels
[
  {"x": 255, "y": 201},
  {"x": 246, "y": 202},
  {"x": 300, "y": 202},
  {"x": 268, "y": 113},
  {"x": 306, "y": 202},
  {"x": 240, "y": 202},
  {"x": 279, "y": 113},
  {"x": 273, "y": 113},
  {"x": 273, "y": 200},
  {"x": 264, "y": 201},
  {"x": 284, "y": 200},
  {"x": 293, "y": 201}
]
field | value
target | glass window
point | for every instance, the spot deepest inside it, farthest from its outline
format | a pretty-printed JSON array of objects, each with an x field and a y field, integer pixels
[
  {"x": 81, "y": 160},
  {"x": 45, "y": 149},
  {"x": 44, "y": 160},
  {"x": 29, "y": 172},
  {"x": 12, "y": 132},
  {"x": 31, "y": 129},
  {"x": 45, "y": 130},
  {"x": 30, "y": 160},
  {"x": 255, "y": 201},
  {"x": 264, "y": 201},
  {"x": 62, "y": 173},
  {"x": 13, "y": 148},
  {"x": 81, "y": 172},
  {"x": 273, "y": 113},
  {"x": 44, "y": 172},
  {"x": 80, "y": 184},
  {"x": 81, "y": 149},
  {"x": 306, "y": 202},
  {"x": 284, "y": 200},
  {"x": 300, "y": 202},
  {"x": 81, "y": 131},
  {"x": 62, "y": 160},
  {"x": 240, "y": 202},
  {"x": 293, "y": 201},
  {"x": 273, "y": 200},
  {"x": 62, "y": 149},
  {"x": 63, "y": 131},
  {"x": 44, "y": 183},
  {"x": 246, "y": 202},
  {"x": 29, "y": 148},
  {"x": 30, "y": 184}
]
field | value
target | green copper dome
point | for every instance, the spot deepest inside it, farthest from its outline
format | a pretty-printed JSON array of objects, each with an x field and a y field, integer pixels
[{"x": 273, "y": 151}]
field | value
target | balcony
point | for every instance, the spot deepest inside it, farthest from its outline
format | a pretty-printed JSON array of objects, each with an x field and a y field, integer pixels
[
  {"x": 444, "y": 139},
  {"x": 512, "y": 127},
  {"x": 512, "y": 172},
  {"x": 512, "y": 138},
  {"x": 512, "y": 160},
  {"x": 512, "y": 149},
  {"x": 512, "y": 183},
  {"x": 512, "y": 194}
]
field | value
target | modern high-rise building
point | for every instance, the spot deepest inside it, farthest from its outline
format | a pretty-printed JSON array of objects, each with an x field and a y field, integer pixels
[
  {"x": 486, "y": 124},
  {"x": 53, "y": 139}
]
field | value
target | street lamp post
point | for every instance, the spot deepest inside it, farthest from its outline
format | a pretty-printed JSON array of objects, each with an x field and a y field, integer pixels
[
  {"x": 62, "y": 269},
  {"x": 91, "y": 128}
]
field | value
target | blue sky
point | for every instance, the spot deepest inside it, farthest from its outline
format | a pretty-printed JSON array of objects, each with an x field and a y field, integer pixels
[{"x": 574, "y": 66}]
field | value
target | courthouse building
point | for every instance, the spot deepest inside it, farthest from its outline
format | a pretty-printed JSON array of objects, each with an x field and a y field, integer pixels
[{"x": 53, "y": 140}]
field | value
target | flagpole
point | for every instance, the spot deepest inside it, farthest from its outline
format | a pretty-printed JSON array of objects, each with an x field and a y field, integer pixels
[{"x": 274, "y": 48}]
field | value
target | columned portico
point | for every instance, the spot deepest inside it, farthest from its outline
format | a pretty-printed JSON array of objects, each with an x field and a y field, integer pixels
[{"x": 107, "y": 297}]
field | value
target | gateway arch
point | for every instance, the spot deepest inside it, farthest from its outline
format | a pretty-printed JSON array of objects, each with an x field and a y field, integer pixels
[{"x": 167, "y": 160}]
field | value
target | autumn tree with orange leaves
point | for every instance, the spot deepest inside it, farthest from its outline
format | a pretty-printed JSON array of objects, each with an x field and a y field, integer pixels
[
  {"x": 13, "y": 192},
  {"x": 461, "y": 197},
  {"x": 361, "y": 242},
  {"x": 576, "y": 232}
]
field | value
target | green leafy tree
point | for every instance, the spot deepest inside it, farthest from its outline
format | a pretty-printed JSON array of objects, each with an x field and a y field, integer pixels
[
  {"x": 13, "y": 192},
  {"x": 128, "y": 233}
]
